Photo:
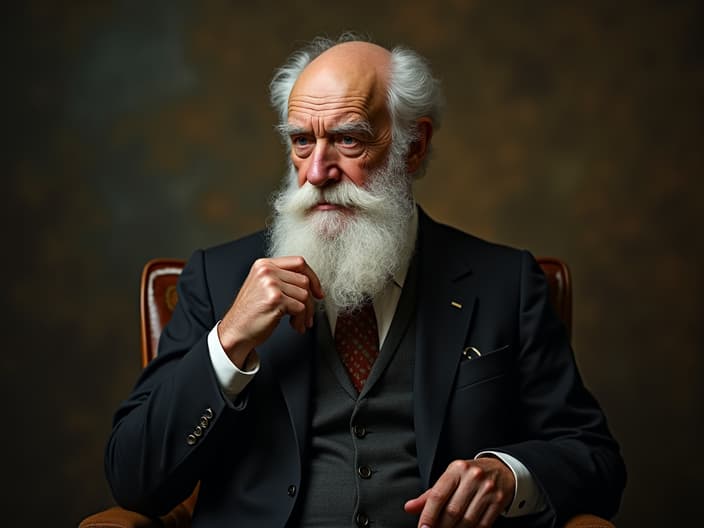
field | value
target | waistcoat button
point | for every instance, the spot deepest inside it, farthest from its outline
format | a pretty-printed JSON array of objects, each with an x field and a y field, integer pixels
[
  {"x": 362, "y": 520},
  {"x": 359, "y": 431},
  {"x": 365, "y": 472}
]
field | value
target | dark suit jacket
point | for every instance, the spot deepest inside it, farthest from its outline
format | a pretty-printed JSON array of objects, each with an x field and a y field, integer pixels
[{"x": 524, "y": 396}]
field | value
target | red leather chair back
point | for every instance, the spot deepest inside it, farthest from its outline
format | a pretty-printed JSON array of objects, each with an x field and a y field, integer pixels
[{"x": 158, "y": 299}]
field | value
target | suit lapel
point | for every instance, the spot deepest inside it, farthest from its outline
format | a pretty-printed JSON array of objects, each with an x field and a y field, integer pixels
[
  {"x": 445, "y": 306},
  {"x": 290, "y": 355}
]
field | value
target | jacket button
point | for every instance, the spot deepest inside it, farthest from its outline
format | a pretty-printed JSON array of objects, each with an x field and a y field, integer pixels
[
  {"x": 203, "y": 422},
  {"x": 198, "y": 431},
  {"x": 362, "y": 520},
  {"x": 191, "y": 440},
  {"x": 365, "y": 472},
  {"x": 359, "y": 431},
  {"x": 208, "y": 413},
  {"x": 292, "y": 491}
]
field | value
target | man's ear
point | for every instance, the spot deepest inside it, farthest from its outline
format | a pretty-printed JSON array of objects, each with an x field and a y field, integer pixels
[{"x": 419, "y": 146}]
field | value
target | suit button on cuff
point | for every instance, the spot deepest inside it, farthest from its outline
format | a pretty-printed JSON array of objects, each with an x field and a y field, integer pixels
[
  {"x": 209, "y": 413},
  {"x": 198, "y": 431},
  {"x": 365, "y": 472},
  {"x": 191, "y": 440},
  {"x": 292, "y": 491},
  {"x": 203, "y": 422}
]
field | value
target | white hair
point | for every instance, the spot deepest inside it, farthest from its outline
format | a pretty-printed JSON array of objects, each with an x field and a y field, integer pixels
[{"x": 413, "y": 91}]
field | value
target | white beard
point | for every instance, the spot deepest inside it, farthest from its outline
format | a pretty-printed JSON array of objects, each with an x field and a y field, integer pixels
[{"x": 354, "y": 253}]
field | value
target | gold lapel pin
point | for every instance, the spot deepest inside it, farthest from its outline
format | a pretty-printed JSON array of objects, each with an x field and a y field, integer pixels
[{"x": 456, "y": 305}]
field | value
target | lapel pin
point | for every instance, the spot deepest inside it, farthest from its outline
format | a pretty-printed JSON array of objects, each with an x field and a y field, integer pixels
[
  {"x": 471, "y": 352},
  {"x": 456, "y": 305}
]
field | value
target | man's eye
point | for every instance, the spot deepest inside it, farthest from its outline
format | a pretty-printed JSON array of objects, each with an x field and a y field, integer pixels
[
  {"x": 348, "y": 141},
  {"x": 300, "y": 141}
]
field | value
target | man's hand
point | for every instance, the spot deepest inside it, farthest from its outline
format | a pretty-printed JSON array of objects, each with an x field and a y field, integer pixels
[
  {"x": 469, "y": 493},
  {"x": 274, "y": 288}
]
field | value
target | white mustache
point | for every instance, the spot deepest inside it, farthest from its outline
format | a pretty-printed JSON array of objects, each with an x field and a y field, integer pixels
[{"x": 298, "y": 201}]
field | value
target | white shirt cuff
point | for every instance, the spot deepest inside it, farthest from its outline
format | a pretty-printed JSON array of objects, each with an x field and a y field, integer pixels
[
  {"x": 232, "y": 380},
  {"x": 527, "y": 497}
]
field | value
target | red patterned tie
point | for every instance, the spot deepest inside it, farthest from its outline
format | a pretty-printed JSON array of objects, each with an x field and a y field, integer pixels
[{"x": 357, "y": 342}]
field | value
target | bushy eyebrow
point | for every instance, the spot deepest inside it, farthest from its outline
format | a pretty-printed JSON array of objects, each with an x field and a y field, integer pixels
[{"x": 288, "y": 130}]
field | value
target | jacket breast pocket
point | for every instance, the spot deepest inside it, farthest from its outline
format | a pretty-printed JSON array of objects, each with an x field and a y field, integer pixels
[{"x": 489, "y": 365}]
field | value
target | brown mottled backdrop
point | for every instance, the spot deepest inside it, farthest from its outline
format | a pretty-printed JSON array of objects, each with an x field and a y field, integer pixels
[{"x": 134, "y": 129}]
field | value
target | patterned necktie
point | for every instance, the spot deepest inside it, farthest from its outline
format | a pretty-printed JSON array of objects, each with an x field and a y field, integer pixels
[{"x": 357, "y": 342}]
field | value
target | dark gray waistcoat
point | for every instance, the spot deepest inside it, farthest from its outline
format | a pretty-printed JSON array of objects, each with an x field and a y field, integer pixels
[{"x": 362, "y": 454}]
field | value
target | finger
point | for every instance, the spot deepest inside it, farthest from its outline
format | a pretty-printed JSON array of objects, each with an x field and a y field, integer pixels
[
  {"x": 438, "y": 496},
  {"x": 490, "y": 515},
  {"x": 295, "y": 292},
  {"x": 456, "y": 509},
  {"x": 300, "y": 265},
  {"x": 297, "y": 313},
  {"x": 303, "y": 294},
  {"x": 487, "y": 496}
]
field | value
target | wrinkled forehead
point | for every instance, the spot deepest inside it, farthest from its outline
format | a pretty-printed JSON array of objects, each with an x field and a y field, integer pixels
[{"x": 348, "y": 77}]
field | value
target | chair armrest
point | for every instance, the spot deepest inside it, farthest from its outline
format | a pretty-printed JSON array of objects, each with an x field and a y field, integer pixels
[
  {"x": 179, "y": 517},
  {"x": 588, "y": 521},
  {"x": 119, "y": 518}
]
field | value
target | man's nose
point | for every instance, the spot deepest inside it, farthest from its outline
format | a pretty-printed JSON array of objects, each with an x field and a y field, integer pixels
[{"x": 323, "y": 168}]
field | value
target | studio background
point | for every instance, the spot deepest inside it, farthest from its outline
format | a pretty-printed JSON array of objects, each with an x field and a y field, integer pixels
[{"x": 139, "y": 129}]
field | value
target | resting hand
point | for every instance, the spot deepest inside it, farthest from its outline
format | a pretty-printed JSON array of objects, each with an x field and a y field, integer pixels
[
  {"x": 274, "y": 288},
  {"x": 470, "y": 493}
]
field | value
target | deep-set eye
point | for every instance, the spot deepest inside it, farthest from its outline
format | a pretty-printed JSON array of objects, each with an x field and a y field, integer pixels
[
  {"x": 349, "y": 145},
  {"x": 300, "y": 141},
  {"x": 302, "y": 145}
]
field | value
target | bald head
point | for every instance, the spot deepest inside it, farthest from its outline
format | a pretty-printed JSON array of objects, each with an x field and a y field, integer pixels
[{"x": 359, "y": 69}]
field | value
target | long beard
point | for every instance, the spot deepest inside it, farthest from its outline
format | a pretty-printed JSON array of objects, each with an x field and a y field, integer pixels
[{"x": 356, "y": 252}]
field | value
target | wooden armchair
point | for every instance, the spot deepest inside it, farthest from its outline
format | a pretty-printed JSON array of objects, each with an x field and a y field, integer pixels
[{"x": 158, "y": 298}]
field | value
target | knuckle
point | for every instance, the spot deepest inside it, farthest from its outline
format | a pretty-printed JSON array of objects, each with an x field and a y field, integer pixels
[
  {"x": 476, "y": 472},
  {"x": 261, "y": 268},
  {"x": 268, "y": 281},
  {"x": 500, "y": 496},
  {"x": 470, "y": 518},
  {"x": 436, "y": 495},
  {"x": 274, "y": 297},
  {"x": 453, "y": 512},
  {"x": 459, "y": 465}
]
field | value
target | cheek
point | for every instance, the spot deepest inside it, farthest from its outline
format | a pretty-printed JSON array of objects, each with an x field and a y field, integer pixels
[
  {"x": 357, "y": 173},
  {"x": 299, "y": 166}
]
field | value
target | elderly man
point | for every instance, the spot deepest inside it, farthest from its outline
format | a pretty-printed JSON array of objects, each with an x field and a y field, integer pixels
[{"x": 375, "y": 368}]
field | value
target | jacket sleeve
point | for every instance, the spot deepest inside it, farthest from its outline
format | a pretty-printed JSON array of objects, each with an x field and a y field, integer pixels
[
  {"x": 569, "y": 449},
  {"x": 165, "y": 434}
]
